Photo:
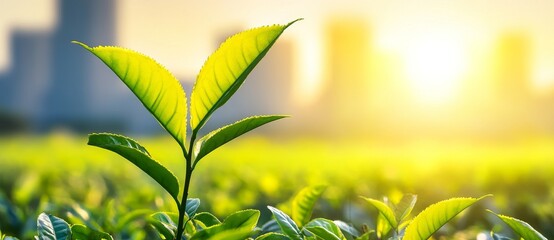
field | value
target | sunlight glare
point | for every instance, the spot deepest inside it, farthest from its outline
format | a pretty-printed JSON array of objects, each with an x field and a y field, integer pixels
[
  {"x": 435, "y": 66},
  {"x": 308, "y": 86}
]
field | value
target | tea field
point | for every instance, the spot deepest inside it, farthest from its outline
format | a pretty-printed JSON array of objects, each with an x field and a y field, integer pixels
[{"x": 60, "y": 174}]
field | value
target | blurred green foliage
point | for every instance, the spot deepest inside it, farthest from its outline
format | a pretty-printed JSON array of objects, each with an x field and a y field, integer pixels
[{"x": 60, "y": 175}]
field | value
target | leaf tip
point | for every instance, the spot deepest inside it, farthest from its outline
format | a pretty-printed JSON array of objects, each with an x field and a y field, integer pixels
[
  {"x": 485, "y": 196},
  {"x": 296, "y": 20},
  {"x": 81, "y": 44}
]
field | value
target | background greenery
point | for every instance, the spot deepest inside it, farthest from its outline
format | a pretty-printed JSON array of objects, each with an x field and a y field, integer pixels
[{"x": 61, "y": 175}]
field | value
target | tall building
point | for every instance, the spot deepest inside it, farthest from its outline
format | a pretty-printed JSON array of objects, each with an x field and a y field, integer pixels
[
  {"x": 56, "y": 84},
  {"x": 78, "y": 81},
  {"x": 348, "y": 49},
  {"x": 22, "y": 87}
]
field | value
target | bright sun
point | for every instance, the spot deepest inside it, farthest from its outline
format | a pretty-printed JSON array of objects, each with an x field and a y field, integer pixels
[{"x": 435, "y": 66}]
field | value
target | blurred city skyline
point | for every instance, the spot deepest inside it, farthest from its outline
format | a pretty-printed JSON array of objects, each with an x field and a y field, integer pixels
[{"x": 393, "y": 68}]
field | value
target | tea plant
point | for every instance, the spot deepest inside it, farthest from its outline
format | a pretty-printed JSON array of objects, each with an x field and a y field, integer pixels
[
  {"x": 157, "y": 89},
  {"x": 299, "y": 224},
  {"x": 393, "y": 217},
  {"x": 393, "y": 221}
]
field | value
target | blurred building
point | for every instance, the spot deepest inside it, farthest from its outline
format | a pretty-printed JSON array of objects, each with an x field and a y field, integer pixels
[
  {"x": 23, "y": 86},
  {"x": 77, "y": 82},
  {"x": 56, "y": 84},
  {"x": 512, "y": 68},
  {"x": 348, "y": 50}
]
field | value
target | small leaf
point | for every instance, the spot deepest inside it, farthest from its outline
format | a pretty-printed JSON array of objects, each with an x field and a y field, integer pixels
[
  {"x": 499, "y": 237},
  {"x": 521, "y": 228},
  {"x": 273, "y": 236},
  {"x": 345, "y": 227},
  {"x": 303, "y": 203},
  {"x": 138, "y": 155},
  {"x": 383, "y": 226},
  {"x": 207, "y": 219},
  {"x": 242, "y": 219},
  {"x": 288, "y": 226},
  {"x": 271, "y": 226},
  {"x": 158, "y": 90},
  {"x": 192, "y": 206},
  {"x": 227, "y": 68},
  {"x": 225, "y": 134},
  {"x": 82, "y": 232},
  {"x": 245, "y": 219},
  {"x": 403, "y": 208},
  {"x": 385, "y": 210},
  {"x": 325, "y": 229},
  {"x": 435, "y": 216},
  {"x": 52, "y": 228},
  {"x": 235, "y": 233},
  {"x": 164, "y": 224}
]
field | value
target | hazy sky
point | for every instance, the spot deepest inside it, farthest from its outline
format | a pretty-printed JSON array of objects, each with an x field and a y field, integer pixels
[{"x": 180, "y": 34}]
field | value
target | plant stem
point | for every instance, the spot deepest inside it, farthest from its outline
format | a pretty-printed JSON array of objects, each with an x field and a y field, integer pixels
[
  {"x": 188, "y": 174},
  {"x": 182, "y": 210}
]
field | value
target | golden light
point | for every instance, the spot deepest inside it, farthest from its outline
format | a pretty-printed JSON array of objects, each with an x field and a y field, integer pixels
[
  {"x": 307, "y": 88},
  {"x": 435, "y": 65}
]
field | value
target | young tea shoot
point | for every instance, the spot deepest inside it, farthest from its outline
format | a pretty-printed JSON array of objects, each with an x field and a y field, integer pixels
[{"x": 163, "y": 96}]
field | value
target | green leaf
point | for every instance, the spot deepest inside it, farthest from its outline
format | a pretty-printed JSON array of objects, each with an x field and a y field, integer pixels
[
  {"x": 303, "y": 203},
  {"x": 82, "y": 232},
  {"x": 325, "y": 229},
  {"x": 192, "y": 206},
  {"x": 383, "y": 227},
  {"x": 521, "y": 228},
  {"x": 345, "y": 227},
  {"x": 227, "y": 68},
  {"x": 404, "y": 207},
  {"x": 225, "y": 134},
  {"x": 271, "y": 226},
  {"x": 499, "y": 237},
  {"x": 207, "y": 219},
  {"x": 236, "y": 233},
  {"x": 245, "y": 219},
  {"x": 52, "y": 228},
  {"x": 435, "y": 216},
  {"x": 288, "y": 226},
  {"x": 156, "y": 88},
  {"x": 138, "y": 155},
  {"x": 273, "y": 236},
  {"x": 384, "y": 210},
  {"x": 164, "y": 224}
]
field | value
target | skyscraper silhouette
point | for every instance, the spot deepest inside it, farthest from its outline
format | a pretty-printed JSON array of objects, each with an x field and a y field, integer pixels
[
  {"x": 75, "y": 77},
  {"x": 23, "y": 86},
  {"x": 348, "y": 50}
]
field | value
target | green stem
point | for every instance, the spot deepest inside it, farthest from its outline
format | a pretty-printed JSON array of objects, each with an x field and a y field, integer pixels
[
  {"x": 188, "y": 175},
  {"x": 182, "y": 210}
]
